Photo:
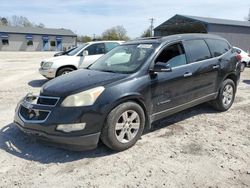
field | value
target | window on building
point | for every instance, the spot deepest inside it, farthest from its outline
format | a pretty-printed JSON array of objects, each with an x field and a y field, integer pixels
[
  {"x": 217, "y": 47},
  {"x": 30, "y": 43},
  {"x": 5, "y": 41},
  {"x": 197, "y": 50},
  {"x": 172, "y": 55},
  {"x": 52, "y": 43}
]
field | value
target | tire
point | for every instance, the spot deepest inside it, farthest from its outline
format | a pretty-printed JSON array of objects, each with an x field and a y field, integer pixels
[
  {"x": 242, "y": 66},
  {"x": 64, "y": 70},
  {"x": 222, "y": 102},
  {"x": 120, "y": 132}
]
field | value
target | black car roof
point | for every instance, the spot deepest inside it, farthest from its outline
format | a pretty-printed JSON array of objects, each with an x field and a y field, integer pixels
[{"x": 173, "y": 38}]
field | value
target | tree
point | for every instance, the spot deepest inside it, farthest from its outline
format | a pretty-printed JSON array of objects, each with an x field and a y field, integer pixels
[
  {"x": 41, "y": 25},
  {"x": 3, "y": 21},
  {"x": 115, "y": 33},
  {"x": 84, "y": 38},
  {"x": 146, "y": 33}
]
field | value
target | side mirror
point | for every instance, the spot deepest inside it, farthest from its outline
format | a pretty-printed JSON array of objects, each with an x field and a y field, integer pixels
[
  {"x": 85, "y": 53},
  {"x": 161, "y": 67}
]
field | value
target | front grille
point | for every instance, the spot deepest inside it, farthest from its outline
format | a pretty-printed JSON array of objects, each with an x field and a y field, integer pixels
[
  {"x": 33, "y": 114},
  {"x": 41, "y": 100},
  {"x": 36, "y": 109}
]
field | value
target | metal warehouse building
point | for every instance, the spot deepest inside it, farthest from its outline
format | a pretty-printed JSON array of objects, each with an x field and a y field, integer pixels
[
  {"x": 236, "y": 32},
  {"x": 35, "y": 39}
]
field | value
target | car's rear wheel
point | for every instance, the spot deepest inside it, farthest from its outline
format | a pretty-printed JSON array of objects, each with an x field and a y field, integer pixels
[
  {"x": 226, "y": 96},
  {"x": 124, "y": 126},
  {"x": 64, "y": 70}
]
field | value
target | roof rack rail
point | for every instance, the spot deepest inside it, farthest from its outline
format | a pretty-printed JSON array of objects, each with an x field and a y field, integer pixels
[{"x": 148, "y": 38}]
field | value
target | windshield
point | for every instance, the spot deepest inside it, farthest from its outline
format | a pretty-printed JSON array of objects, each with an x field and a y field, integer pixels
[
  {"x": 124, "y": 58},
  {"x": 76, "y": 50}
]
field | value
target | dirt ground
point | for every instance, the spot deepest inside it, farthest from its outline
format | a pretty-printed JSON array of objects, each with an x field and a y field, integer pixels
[{"x": 198, "y": 147}]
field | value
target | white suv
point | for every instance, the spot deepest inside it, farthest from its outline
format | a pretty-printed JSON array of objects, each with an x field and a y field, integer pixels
[
  {"x": 245, "y": 58},
  {"x": 81, "y": 57}
]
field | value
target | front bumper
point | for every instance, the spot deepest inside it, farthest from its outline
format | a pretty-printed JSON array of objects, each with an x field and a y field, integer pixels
[
  {"x": 44, "y": 126},
  {"x": 48, "y": 73}
]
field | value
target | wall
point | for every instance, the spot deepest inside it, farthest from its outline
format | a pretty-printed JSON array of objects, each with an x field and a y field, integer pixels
[
  {"x": 18, "y": 42},
  {"x": 237, "y": 36}
]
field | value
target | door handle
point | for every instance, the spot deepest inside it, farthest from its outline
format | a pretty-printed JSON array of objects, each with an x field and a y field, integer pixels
[
  {"x": 187, "y": 74},
  {"x": 216, "y": 66}
]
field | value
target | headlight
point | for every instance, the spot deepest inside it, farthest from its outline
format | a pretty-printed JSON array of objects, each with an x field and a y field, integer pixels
[
  {"x": 85, "y": 98},
  {"x": 47, "y": 65}
]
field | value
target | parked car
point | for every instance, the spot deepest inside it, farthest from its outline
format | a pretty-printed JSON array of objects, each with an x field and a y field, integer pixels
[
  {"x": 135, "y": 84},
  {"x": 65, "y": 52},
  {"x": 80, "y": 57},
  {"x": 245, "y": 58}
]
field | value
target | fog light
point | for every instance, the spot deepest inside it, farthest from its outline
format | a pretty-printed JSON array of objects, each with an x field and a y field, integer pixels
[{"x": 71, "y": 127}]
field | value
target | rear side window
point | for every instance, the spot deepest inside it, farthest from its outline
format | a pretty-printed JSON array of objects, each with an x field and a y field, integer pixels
[
  {"x": 110, "y": 45},
  {"x": 172, "y": 55},
  {"x": 197, "y": 50},
  {"x": 217, "y": 47},
  {"x": 96, "y": 49}
]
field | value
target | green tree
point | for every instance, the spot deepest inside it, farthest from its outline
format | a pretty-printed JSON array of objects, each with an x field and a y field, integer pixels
[
  {"x": 146, "y": 33},
  {"x": 84, "y": 38},
  {"x": 115, "y": 33}
]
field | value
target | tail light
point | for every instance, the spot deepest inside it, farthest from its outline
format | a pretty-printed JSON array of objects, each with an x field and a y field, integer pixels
[{"x": 238, "y": 57}]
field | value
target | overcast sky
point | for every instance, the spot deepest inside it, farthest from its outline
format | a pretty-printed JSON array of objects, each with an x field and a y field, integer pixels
[{"x": 88, "y": 17}]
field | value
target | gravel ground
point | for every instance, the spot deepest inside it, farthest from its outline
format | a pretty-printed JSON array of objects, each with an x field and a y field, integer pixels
[{"x": 198, "y": 147}]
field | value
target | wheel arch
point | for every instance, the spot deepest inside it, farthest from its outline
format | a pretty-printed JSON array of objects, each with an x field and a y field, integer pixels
[
  {"x": 136, "y": 98},
  {"x": 66, "y": 66},
  {"x": 232, "y": 76}
]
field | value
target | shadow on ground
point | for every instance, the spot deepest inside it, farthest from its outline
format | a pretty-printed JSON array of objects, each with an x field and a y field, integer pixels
[
  {"x": 37, "y": 83},
  {"x": 246, "y": 81},
  {"x": 13, "y": 141},
  {"x": 181, "y": 116}
]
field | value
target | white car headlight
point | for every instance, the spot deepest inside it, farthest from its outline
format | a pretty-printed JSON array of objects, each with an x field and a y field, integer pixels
[
  {"x": 47, "y": 65},
  {"x": 85, "y": 98}
]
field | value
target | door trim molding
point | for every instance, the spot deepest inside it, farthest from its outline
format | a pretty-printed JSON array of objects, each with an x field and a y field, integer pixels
[{"x": 185, "y": 104}]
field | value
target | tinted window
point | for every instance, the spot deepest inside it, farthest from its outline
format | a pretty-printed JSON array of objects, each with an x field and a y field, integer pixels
[
  {"x": 217, "y": 47},
  {"x": 173, "y": 55},
  {"x": 197, "y": 50},
  {"x": 110, "y": 45},
  {"x": 96, "y": 49}
]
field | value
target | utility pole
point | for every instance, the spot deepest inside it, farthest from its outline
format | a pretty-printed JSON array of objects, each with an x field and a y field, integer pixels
[{"x": 151, "y": 26}]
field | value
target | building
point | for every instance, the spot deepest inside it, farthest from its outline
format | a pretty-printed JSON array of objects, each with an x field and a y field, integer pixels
[
  {"x": 236, "y": 32},
  {"x": 35, "y": 39}
]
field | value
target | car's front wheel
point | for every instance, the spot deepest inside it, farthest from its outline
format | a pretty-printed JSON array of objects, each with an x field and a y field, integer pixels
[
  {"x": 64, "y": 70},
  {"x": 124, "y": 126}
]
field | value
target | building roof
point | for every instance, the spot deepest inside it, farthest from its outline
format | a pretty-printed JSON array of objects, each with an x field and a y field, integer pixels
[
  {"x": 36, "y": 30},
  {"x": 209, "y": 20}
]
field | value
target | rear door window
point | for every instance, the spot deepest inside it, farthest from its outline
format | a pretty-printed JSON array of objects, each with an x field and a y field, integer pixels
[
  {"x": 217, "y": 47},
  {"x": 172, "y": 55},
  {"x": 197, "y": 50},
  {"x": 96, "y": 49},
  {"x": 110, "y": 45}
]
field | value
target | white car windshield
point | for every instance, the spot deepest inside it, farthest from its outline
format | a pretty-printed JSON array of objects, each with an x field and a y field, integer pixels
[
  {"x": 125, "y": 58},
  {"x": 75, "y": 51}
]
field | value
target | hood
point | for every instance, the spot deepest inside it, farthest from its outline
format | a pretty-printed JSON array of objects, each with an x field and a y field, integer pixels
[
  {"x": 58, "y": 58},
  {"x": 78, "y": 81}
]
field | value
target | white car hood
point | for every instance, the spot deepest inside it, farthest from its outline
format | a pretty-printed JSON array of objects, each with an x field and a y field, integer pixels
[{"x": 59, "y": 58}]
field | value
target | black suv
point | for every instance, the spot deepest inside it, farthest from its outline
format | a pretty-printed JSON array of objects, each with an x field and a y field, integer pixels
[{"x": 123, "y": 92}]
